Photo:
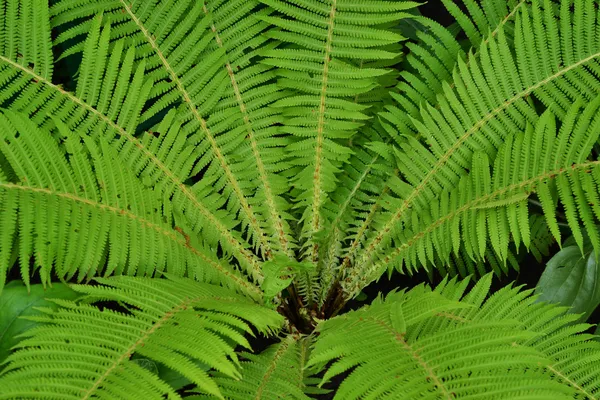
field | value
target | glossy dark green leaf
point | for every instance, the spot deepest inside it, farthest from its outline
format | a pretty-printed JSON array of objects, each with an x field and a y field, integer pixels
[
  {"x": 571, "y": 279},
  {"x": 16, "y": 302}
]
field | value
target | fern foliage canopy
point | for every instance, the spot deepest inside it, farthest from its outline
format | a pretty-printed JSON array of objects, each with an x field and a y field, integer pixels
[{"x": 203, "y": 172}]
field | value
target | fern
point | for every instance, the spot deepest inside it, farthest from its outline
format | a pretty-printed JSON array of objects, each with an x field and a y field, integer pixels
[
  {"x": 222, "y": 100},
  {"x": 221, "y": 168},
  {"x": 323, "y": 40},
  {"x": 448, "y": 344},
  {"x": 77, "y": 214},
  {"x": 477, "y": 114},
  {"x": 493, "y": 206},
  {"x": 94, "y": 347}
]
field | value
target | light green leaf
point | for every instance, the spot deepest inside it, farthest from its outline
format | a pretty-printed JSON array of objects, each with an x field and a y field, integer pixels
[{"x": 15, "y": 302}]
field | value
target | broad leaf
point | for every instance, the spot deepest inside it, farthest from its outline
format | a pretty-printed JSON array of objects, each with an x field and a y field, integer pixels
[
  {"x": 571, "y": 279},
  {"x": 17, "y": 302}
]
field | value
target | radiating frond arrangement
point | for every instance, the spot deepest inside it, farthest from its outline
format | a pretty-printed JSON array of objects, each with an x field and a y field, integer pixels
[
  {"x": 218, "y": 168},
  {"x": 490, "y": 99},
  {"x": 489, "y": 208},
  {"x": 322, "y": 44},
  {"x": 202, "y": 58}
]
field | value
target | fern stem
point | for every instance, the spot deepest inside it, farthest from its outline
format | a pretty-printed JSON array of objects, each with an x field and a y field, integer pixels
[
  {"x": 364, "y": 227},
  {"x": 253, "y": 221},
  {"x": 360, "y": 277},
  {"x": 512, "y": 13},
  {"x": 316, "y": 203},
  {"x": 407, "y": 204},
  {"x": 225, "y": 233},
  {"x": 275, "y": 216}
]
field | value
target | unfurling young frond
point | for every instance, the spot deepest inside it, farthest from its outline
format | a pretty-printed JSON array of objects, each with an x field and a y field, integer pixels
[{"x": 176, "y": 322}]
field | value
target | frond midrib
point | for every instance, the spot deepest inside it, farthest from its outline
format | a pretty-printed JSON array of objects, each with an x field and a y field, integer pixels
[
  {"x": 415, "y": 356},
  {"x": 571, "y": 383},
  {"x": 495, "y": 32},
  {"x": 283, "y": 348},
  {"x": 129, "y": 351},
  {"x": 316, "y": 200},
  {"x": 275, "y": 215}
]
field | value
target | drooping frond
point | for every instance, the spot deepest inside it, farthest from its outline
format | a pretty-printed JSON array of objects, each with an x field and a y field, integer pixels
[
  {"x": 202, "y": 56},
  {"x": 77, "y": 211},
  {"x": 176, "y": 322},
  {"x": 322, "y": 41},
  {"x": 490, "y": 208},
  {"x": 107, "y": 103},
  {"x": 443, "y": 345},
  {"x": 489, "y": 102},
  {"x": 277, "y": 372}
]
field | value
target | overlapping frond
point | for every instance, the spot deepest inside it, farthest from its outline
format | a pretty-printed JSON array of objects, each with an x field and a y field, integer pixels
[
  {"x": 75, "y": 210},
  {"x": 277, "y": 372},
  {"x": 177, "y": 322},
  {"x": 440, "y": 344},
  {"x": 490, "y": 208},
  {"x": 322, "y": 42},
  {"x": 488, "y": 102},
  {"x": 483, "y": 17},
  {"x": 111, "y": 93},
  {"x": 202, "y": 56}
]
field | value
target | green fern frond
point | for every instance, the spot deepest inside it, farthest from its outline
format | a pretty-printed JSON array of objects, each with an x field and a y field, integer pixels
[
  {"x": 277, "y": 372},
  {"x": 321, "y": 42},
  {"x": 76, "y": 207},
  {"x": 176, "y": 322},
  {"x": 481, "y": 110},
  {"x": 201, "y": 56},
  {"x": 441, "y": 344},
  {"x": 485, "y": 17},
  {"x": 431, "y": 61},
  {"x": 491, "y": 208},
  {"x": 164, "y": 163}
]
